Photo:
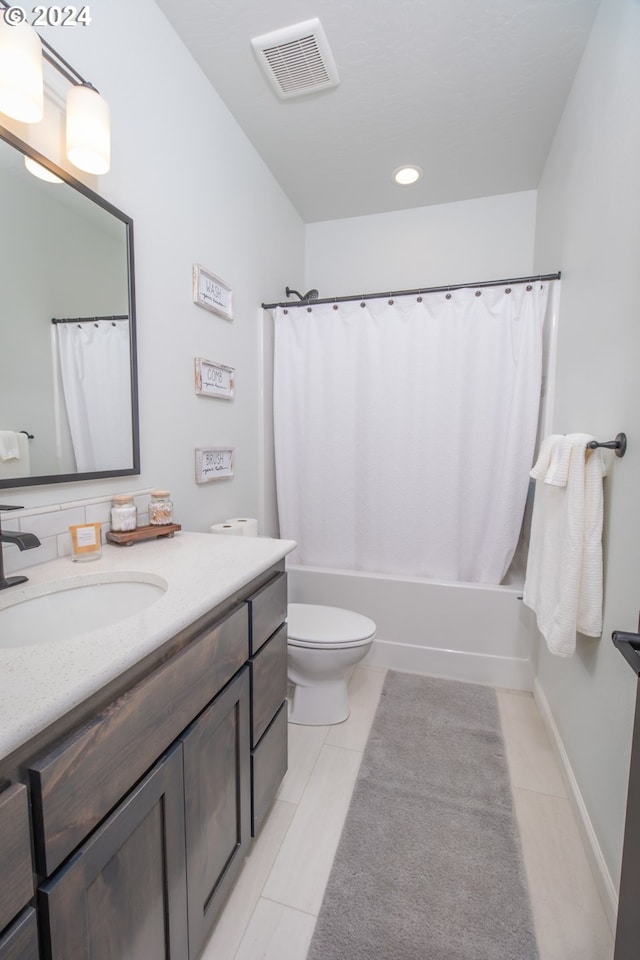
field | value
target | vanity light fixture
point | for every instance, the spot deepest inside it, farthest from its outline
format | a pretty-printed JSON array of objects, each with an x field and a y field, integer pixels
[
  {"x": 88, "y": 129},
  {"x": 407, "y": 175},
  {"x": 22, "y": 51},
  {"x": 21, "y": 80},
  {"x": 41, "y": 172}
]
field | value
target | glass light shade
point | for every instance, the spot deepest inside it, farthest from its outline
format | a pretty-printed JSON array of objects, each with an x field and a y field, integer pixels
[
  {"x": 88, "y": 130},
  {"x": 407, "y": 175},
  {"x": 39, "y": 171},
  {"x": 21, "y": 81}
]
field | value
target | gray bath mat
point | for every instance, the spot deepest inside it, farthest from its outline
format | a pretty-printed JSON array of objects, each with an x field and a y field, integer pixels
[{"x": 429, "y": 865}]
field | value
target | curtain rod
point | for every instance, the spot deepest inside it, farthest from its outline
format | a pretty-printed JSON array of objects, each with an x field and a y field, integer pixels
[
  {"x": 87, "y": 319},
  {"x": 404, "y": 293}
]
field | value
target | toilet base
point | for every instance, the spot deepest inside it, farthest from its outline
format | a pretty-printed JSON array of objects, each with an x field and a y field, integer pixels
[{"x": 323, "y": 704}]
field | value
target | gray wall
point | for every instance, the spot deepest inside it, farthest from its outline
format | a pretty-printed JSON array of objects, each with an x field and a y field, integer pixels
[
  {"x": 486, "y": 238},
  {"x": 588, "y": 224}
]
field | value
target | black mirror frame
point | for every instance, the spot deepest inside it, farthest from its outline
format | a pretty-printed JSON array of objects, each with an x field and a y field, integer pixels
[{"x": 29, "y": 151}]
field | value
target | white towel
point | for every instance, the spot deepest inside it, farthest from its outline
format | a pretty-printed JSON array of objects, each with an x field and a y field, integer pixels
[
  {"x": 563, "y": 582},
  {"x": 17, "y": 467},
  {"x": 9, "y": 445}
]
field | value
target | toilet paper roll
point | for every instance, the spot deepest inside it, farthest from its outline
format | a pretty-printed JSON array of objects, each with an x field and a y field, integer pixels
[
  {"x": 228, "y": 529},
  {"x": 249, "y": 525}
]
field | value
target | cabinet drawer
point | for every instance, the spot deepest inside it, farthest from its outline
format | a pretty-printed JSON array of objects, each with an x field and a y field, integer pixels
[
  {"x": 268, "y": 682},
  {"x": 16, "y": 871},
  {"x": 268, "y": 767},
  {"x": 20, "y": 941},
  {"x": 79, "y": 783},
  {"x": 267, "y": 610}
]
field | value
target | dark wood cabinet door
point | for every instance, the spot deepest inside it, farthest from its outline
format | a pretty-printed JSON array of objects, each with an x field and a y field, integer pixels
[
  {"x": 217, "y": 782},
  {"x": 16, "y": 871},
  {"x": 122, "y": 895},
  {"x": 20, "y": 941},
  {"x": 268, "y": 767}
]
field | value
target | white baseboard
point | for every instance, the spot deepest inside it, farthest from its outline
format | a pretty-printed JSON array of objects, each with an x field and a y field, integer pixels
[{"x": 606, "y": 887}]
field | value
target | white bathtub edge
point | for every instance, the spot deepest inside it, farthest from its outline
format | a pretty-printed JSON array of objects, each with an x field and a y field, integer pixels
[
  {"x": 604, "y": 883},
  {"x": 509, "y": 672},
  {"x": 465, "y": 584}
]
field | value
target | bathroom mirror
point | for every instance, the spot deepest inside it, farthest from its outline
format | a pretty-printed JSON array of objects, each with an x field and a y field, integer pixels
[{"x": 68, "y": 382}]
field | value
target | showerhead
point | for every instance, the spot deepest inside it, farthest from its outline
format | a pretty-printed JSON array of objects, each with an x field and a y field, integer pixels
[{"x": 311, "y": 295}]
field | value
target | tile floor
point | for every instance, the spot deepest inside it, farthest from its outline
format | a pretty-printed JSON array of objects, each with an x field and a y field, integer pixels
[{"x": 272, "y": 910}]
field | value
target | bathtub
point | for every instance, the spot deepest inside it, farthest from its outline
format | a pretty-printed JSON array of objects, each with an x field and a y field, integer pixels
[{"x": 460, "y": 631}]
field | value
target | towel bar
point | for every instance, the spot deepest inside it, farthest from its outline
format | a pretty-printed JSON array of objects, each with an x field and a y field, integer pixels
[{"x": 619, "y": 444}]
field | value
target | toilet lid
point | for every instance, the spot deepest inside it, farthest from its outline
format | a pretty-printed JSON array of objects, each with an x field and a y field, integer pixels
[{"x": 313, "y": 623}]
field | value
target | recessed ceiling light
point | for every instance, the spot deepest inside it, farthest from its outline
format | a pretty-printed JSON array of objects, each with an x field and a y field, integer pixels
[{"x": 407, "y": 175}]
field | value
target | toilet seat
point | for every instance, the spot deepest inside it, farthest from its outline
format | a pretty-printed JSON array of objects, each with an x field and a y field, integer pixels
[
  {"x": 316, "y": 626},
  {"x": 324, "y": 644}
]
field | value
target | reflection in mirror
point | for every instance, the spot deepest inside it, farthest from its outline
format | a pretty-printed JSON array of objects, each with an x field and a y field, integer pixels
[{"x": 67, "y": 322}]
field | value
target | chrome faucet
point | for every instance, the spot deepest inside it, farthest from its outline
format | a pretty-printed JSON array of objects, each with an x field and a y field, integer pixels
[{"x": 24, "y": 541}]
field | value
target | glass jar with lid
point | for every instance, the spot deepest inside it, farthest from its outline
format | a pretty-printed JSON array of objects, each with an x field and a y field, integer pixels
[
  {"x": 160, "y": 508},
  {"x": 124, "y": 515}
]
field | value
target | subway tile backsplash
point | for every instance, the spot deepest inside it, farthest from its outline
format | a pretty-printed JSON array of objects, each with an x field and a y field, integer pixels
[{"x": 51, "y": 526}]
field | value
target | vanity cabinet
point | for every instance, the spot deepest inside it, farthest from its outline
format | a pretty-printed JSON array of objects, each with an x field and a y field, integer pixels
[
  {"x": 143, "y": 813},
  {"x": 135, "y": 866}
]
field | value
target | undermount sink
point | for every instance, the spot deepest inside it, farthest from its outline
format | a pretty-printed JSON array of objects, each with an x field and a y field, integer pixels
[{"x": 44, "y": 613}]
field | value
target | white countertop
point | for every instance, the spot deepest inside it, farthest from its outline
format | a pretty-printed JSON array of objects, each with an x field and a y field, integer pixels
[{"x": 40, "y": 683}]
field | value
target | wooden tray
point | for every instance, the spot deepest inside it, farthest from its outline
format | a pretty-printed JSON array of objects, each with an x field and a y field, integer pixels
[{"x": 125, "y": 538}]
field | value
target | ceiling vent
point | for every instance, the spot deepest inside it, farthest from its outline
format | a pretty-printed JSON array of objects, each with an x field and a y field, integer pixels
[{"x": 297, "y": 59}]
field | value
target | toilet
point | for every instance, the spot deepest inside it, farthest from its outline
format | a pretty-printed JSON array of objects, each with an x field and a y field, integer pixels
[{"x": 323, "y": 644}]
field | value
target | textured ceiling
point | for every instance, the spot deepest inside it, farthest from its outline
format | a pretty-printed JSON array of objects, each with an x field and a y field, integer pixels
[{"x": 471, "y": 90}]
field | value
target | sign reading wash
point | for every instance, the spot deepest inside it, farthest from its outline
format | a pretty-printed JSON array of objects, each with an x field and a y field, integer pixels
[{"x": 211, "y": 292}]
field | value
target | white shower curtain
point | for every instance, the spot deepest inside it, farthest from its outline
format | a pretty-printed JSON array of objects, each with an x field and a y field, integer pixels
[
  {"x": 405, "y": 430},
  {"x": 96, "y": 379}
]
